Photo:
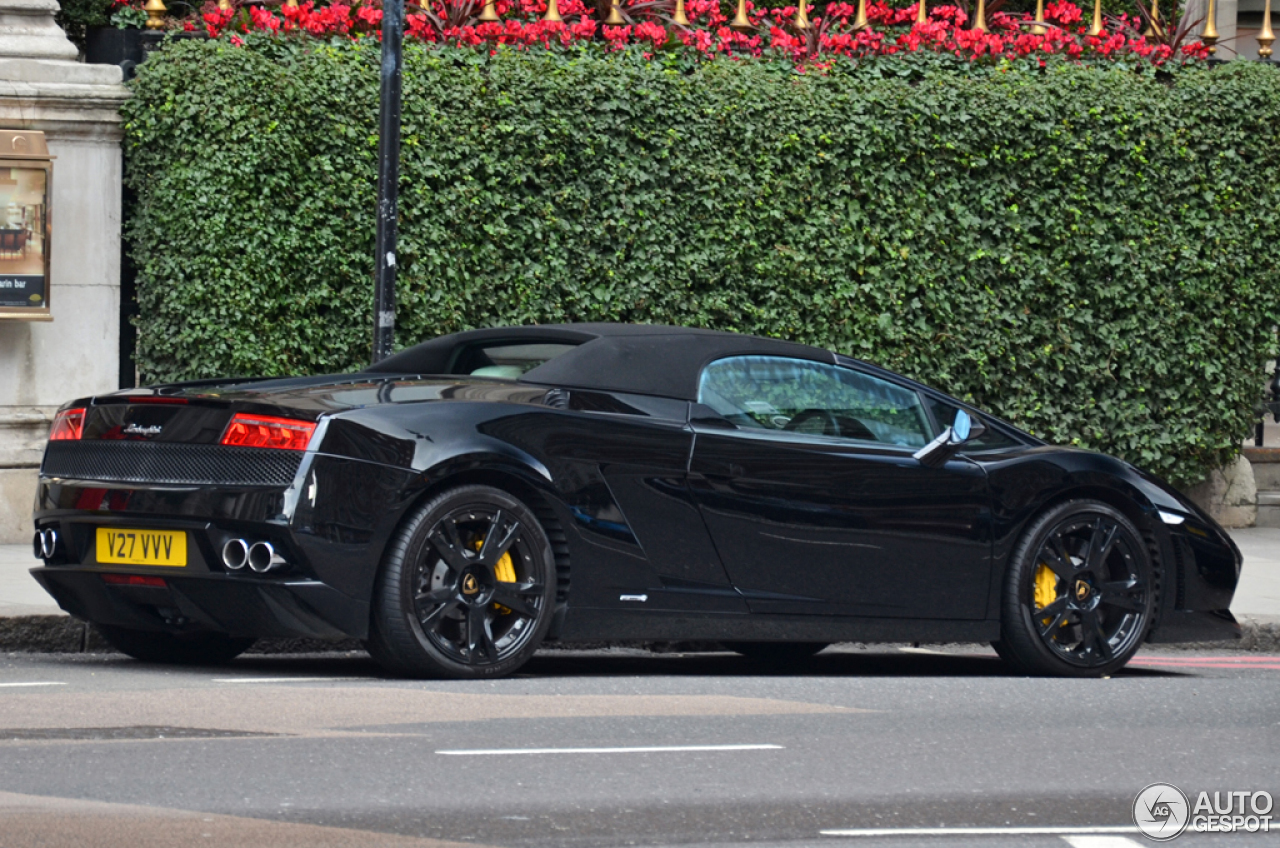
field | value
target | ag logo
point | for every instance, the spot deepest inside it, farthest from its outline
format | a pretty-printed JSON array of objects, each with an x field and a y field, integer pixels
[{"x": 1161, "y": 811}]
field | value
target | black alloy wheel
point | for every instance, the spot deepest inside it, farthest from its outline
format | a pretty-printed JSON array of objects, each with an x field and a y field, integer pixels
[
  {"x": 1079, "y": 593},
  {"x": 466, "y": 590},
  {"x": 155, "y": 646}
]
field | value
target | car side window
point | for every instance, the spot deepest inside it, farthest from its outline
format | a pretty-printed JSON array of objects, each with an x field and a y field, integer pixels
[{"x": 812, "y": 398}]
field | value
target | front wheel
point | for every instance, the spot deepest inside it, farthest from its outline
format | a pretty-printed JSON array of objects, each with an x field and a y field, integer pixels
[
  {"x": 467, "y": 588},
  {"x": 157, "y": 647},
  {"x": 1078, "y": 595}
]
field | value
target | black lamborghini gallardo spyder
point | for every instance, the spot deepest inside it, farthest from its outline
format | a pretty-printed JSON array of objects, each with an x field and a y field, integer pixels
[{"x": 462, "y": 501}]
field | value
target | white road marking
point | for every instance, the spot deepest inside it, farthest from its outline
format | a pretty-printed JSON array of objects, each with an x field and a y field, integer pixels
[
  {"x": 35, "y": 683},
  {"x": 980, "y": 831},
  {"x": 484, "y": 752},
  {"x": 1101, "y": 842},
  {"x": 281, "y": 679}
]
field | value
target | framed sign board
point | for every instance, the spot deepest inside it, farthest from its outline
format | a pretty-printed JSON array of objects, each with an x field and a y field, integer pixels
[{"x": 26, "y": 177}]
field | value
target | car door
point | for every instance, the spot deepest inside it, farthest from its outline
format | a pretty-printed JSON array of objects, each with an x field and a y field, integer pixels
[{"x": 805, "y": 476}]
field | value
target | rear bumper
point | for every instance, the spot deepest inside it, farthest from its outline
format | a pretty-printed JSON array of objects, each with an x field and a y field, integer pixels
[{"x": 216, "y": 603}]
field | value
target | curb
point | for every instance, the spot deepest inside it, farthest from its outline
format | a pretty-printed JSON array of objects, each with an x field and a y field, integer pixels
[{"x": 62, "y": 634}]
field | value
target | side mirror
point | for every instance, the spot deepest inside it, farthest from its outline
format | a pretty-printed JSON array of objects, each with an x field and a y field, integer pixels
[{"x": 964, "y": 428}]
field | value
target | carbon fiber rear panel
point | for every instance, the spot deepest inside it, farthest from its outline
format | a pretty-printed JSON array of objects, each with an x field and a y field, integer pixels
[{"x": 161, "y": 462}]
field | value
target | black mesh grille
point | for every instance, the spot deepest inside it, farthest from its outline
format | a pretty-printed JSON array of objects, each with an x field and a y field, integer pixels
[{"x": 161, "y": 462}]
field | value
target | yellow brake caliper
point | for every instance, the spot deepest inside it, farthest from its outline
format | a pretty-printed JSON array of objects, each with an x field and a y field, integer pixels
[
  {"x": 1046, "y": 589},
  {"x": 504, "y": 571}
]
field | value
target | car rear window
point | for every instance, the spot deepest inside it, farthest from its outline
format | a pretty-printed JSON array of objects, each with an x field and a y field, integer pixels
[{"x": 508, "y": 361}]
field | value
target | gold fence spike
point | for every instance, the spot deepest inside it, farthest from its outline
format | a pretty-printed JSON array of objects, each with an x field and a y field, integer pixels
[
  {"x": 223, "y": 5},
  {"x": 1039, "y": 28},
  {"x": 155, "y": 10},
  {"x": 1265, "y": 37},
  {"x": 1096, "y": 27},
  {"x": 489, "y": 13},
  {"x": 922, "y": 13},
  {"x": 615, "y": 16},
  {"x": 1154, "y": 27},
  {"x": 980, "y": 20},
  {"x": 680, "y": 18},
  {"x": 1210, "y": 34},
  {"x": 740, "y": 22},
  {"x": 860, "y": 20},
  {"x": 801, "y": 20},
  {"x": 553, "y": 12}
]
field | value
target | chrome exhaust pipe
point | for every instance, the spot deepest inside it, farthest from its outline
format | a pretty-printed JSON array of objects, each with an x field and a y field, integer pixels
[
  {"x": 263, "y": 557},
  {"x": 235, "y": 553},
  {"x": 37, "y": 545},
  {"x": 48, "y": 540}
]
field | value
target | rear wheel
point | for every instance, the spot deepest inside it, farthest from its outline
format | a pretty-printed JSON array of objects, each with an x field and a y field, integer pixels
[
  {"x": 467, "y": 588},
  {"x": 777, "y": 653},
  {"x": 158, "y": 647},
  {"x": 1078, "y": 596}
]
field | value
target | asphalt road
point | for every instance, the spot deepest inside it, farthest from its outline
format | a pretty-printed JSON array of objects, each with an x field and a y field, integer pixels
[{"x": 322, "y": 751}]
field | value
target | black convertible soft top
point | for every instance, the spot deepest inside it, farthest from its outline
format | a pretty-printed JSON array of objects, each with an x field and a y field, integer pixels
[{"x": 649, "y": 359}]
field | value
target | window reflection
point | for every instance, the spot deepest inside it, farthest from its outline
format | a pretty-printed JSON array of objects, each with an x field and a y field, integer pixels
[{"x": 796, "y": 395}]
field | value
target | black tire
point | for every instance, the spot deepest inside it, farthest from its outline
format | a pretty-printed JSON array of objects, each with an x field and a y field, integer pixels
[
  {"x": 442, "y": 606},
  {"x": 155, "y": 646},
  {"x": 777, "y": 653},
  {"x": 1094, "y": 563}
]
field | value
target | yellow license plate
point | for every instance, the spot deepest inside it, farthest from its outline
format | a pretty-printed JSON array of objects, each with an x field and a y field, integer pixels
[{"x": 142, "y": 547}]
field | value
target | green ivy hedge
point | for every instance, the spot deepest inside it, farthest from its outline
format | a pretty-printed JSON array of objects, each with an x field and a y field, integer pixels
[{"x": 1084, "y": 251}]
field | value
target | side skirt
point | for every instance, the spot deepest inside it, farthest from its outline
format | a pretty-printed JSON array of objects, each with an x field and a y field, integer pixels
[
  {"x": 594, "y": 625},
  {"x": 1189, "y": 626}
]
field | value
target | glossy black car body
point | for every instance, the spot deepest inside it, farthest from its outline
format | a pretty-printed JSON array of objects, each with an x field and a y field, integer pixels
[{"x": 668, "y": 521}]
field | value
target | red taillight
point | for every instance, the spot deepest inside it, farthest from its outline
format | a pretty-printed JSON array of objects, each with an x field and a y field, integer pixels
[
  {"x": 265, "y": 431},
  {"x": 133, "y": 580},
  {"x": 67, "y": 424}
]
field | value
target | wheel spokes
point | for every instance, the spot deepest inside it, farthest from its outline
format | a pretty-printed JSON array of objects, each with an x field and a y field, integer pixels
[
  {"x": 1121, "y": 593},
  {"x": 434, "y": 596},
  {"x": 511, "y": 596},
  {"x": 1056, "y": 612},
  {"x": 444, "y": 538},
  {"x": 498, "y": 540},
  {"x": 1101, "y": 540},
  {"x": 1054, "y": 555},
  {"x": 478, "y": 639},
  {"x": 431, "y": 620},
  {"x": 1095, "y": 639}
]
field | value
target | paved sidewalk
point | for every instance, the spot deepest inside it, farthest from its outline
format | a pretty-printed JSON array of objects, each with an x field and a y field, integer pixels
[
  {"x": 20, "y": 594},
  {"x": 1257, "y": 597}
]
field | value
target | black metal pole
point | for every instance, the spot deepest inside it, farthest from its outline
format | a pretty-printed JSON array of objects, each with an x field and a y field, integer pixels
[{"x": 384, "y": 296}]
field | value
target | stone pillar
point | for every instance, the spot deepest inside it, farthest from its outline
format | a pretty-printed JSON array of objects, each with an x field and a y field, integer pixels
[
  {"x": 1229, "y": 494},
  {"x": 42, "y": 365}
]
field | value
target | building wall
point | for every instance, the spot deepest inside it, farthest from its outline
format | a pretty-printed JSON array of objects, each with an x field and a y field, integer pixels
[{"x": 44, "y": 364}]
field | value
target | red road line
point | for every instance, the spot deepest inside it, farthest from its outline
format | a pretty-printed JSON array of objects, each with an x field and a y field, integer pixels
[
  {"x": 1240, "y": 660},
  {"x": 1237, "y": 666},
  {"x": 1212, "y": 665}
]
